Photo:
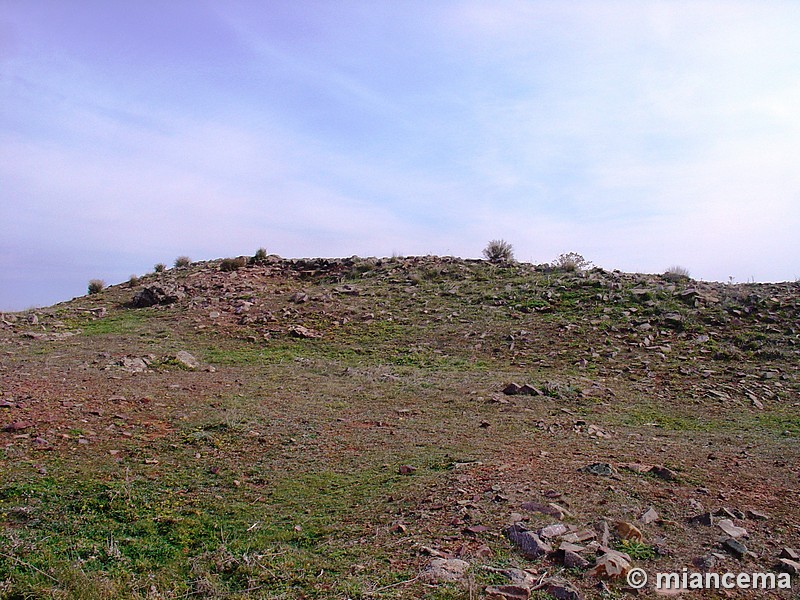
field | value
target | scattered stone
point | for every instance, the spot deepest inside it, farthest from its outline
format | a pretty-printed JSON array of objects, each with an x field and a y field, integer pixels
[
  {"x": 568, "y": 546},
  {"x": 475, "y": 529},
  {"x": 299, "y": 297},
  {"x": 730, "y": 529},
  {"x": 513, "y": 389},
  {"x": 706, "y": 519},
  {"x": 507, "y": 592},
  {"x": 348, "y": 290},
  {"x": 601, "y": 469},
  {"x": 705, "y": 563},
  {"x": 552, "y": 531},
  {"x": 553, "y": 510},
  {"x": 303, "y": 332},
  {"x": 156, "y": 295},
  {"x": 560, "y": 589},
  {"x": 132, "y": 364},
  {"x": 579, "y": 537},
  {"x": 528, "y": 390},
  {"x": 575, "y": 560},
  {"x": 445, "y": 570},
  {"x": 664, "y": 473},
  {"x": 729, "y": 514},
  {"x": 18, "y": 426},
  {"x": 735, "y": 547},
  {"x": 649, "y": 516},
  {"x": 612, "y": 565},
  {"x": 606, "y": 536},
  {"x": 529, "y": 544},
  {"x": 186, "y": 360},
  {"x": 789, "y": 566},
  {"x": 519, "y": 577},
  {"x": 407, "y": 470},
  {"x": 636, "y": 467},
  {"x": 399, "y": 528},
  {"x": 790, "y": 553},
  {"x": 755, "y": 515},
  {"x": 627, "y": 531}
]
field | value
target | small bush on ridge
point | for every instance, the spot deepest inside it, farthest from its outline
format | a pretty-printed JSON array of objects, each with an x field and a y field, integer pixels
[
  {"x": 232, "y": 264},
  {"x": 260, "y": 257},
  {"x": 96, "y": 286},
  {"x": 134, "y": 281},
  {"x": 571, "y": 261},
  {"x": 499, "y": 251},
  {"x": 182, "y": 261},
  {"x": 159, "y": 268},
  {"x": 677, "y": 273}
]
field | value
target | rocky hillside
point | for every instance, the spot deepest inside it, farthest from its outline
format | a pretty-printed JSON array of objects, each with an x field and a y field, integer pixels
[{"x": 397, "y": 428}]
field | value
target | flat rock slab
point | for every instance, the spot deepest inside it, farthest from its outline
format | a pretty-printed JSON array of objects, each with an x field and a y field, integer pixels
[{"x": 444, "y": 570}]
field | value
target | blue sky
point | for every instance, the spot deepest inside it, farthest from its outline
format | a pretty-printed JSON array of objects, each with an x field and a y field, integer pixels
[{"x": 640, "y": 134}]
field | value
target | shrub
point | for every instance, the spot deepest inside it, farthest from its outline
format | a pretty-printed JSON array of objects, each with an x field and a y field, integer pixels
[
  {"x": 571, "y": 261},
  {"x": 182, "y": 261},
  {"x": 134, "y": 281},
  {"x": 96, "y": 286},
  {"x": 677, "y": 273},
  {"x": 232, "y": 264},
  {"x": 260, "y": 257},
  {"x": 159, "y": 268},
  {"x": 499, "y": 251}
]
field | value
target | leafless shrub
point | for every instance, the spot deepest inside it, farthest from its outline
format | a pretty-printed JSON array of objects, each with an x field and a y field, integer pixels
[
  {"x": 96, "y": 286},
  {"x": 677, "y": 273},
  {"x": 232, "y": 264},
  {"x": 571, "y": 261},
  {"x": 498, "y": 252}
]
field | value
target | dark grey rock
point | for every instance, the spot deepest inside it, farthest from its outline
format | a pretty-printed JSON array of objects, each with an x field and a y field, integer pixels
[{"x": 529, "y": 544}]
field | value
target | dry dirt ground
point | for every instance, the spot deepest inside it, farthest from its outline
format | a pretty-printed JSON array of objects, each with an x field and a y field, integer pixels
[{"x": 350, "y": 425}]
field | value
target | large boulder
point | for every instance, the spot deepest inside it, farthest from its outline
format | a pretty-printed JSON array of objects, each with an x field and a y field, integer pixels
[{"x": 153, "y": 295}]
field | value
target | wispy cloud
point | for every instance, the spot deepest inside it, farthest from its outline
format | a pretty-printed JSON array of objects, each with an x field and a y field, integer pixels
[{"x": 640, "y": 134}]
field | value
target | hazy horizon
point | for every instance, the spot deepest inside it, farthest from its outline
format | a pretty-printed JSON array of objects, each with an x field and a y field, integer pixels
[{"x": 639, "y": 134}]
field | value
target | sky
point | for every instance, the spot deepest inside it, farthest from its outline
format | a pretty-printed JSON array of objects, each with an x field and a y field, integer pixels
[{"x": 640, "y": 134}]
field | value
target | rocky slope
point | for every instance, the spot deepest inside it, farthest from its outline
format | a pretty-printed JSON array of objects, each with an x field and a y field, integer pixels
[{"x": 505, "y": 430}]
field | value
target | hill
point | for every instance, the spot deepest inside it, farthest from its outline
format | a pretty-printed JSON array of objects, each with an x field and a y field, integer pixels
[{"x": 356, "y": 428}]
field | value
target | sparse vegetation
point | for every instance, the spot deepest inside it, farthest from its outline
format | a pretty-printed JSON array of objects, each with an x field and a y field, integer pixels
[
  {"x": 134, "y": 281},
  {"x": 499, "y": 252},
  {"x": 96, "y": 286},
  {"x": 159, "y": 267},
  {"x": 571, "y": 261},
  {"x": 636, "y": 550},
  {"x": 260, "y": 257},
  {"x": 232, "y": 264},
  {"x": 182, "y": 261},
  {"x": 677, "y": 273}
]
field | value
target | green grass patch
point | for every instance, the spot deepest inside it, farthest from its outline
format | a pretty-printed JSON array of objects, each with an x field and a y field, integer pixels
[
  {"x": 637, "y": 416},
  {"x": 780, "y": 423},
  {"x": 125, "y": 322},
  {"x": 189, "y": 532}
]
